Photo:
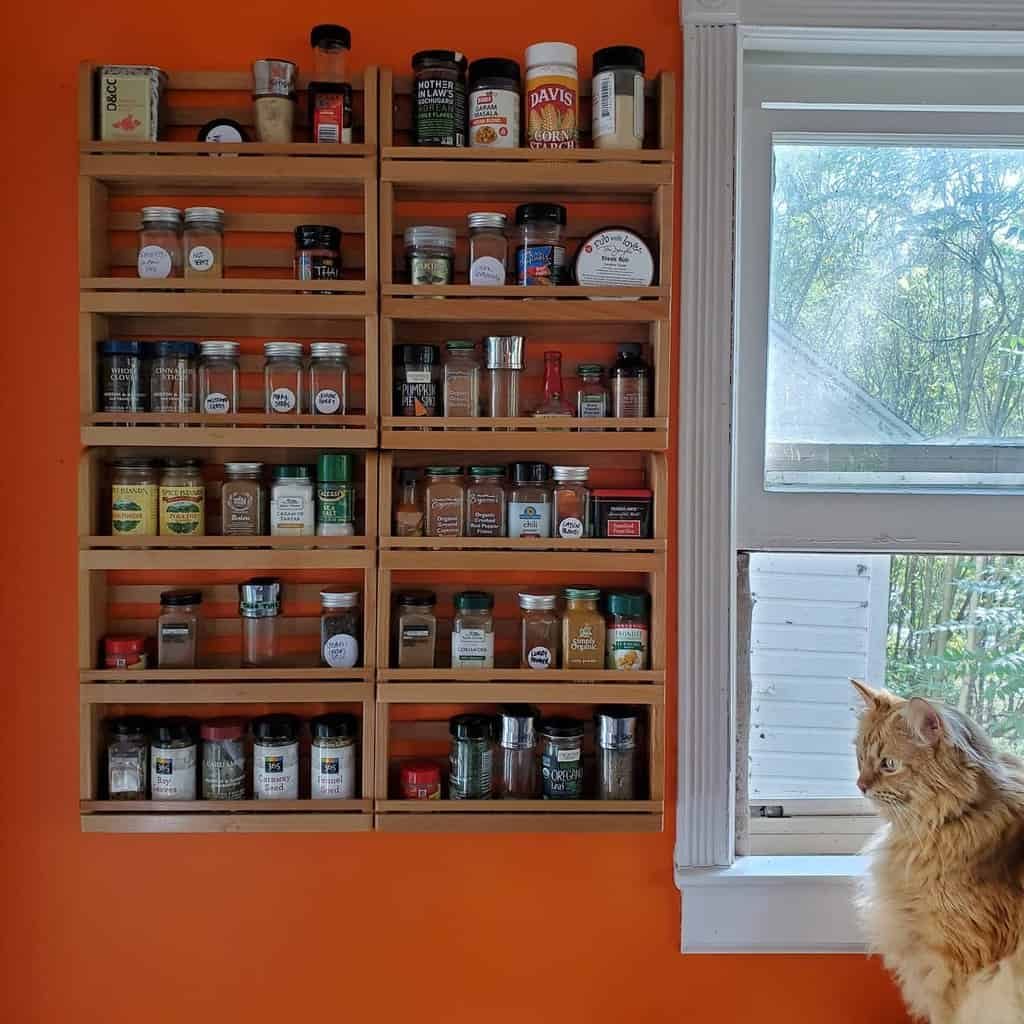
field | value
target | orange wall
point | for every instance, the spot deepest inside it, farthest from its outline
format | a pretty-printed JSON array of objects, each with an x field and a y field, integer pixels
[{"x": 430, "y": 928}]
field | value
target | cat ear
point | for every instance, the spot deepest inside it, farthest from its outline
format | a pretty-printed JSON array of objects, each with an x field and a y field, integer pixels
[
  {"x": 925, "y": 720},
  {"x": 871, "y": 697}
]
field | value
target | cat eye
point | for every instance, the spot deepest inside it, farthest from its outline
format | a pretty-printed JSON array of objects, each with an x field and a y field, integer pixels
[{"x": 889, "y": 764}]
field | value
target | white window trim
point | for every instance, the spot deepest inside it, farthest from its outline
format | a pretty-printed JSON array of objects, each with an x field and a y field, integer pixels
[{"x": 757, "y": 904}]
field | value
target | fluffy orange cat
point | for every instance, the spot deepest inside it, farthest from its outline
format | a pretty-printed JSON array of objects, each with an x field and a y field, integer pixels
[{"x": 944, "y": 897}]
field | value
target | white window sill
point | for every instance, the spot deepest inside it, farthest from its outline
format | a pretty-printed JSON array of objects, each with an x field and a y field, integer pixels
[{"x": 772, "y": 905}]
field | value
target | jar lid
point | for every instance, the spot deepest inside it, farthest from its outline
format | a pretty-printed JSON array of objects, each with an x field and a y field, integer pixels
[
  {"x": 285, "y": 349},
  {"x": 337, "y": 725},
  {"x": 560, "y": 727},
  {"x": 409, "y": 476},
  {"x": 582, "y": 593},
  {"x": 178, "y": 598},
  {"x": 175, "y": 348},
  {"x": 537, "y": 602},
  {"x": 204, "y": 214},
  {"x": 335, "y": 467},
  {"x": 331, "y": 35},
  {"x": 131, "y": 725},
  {"x": 429, "y": 58},
  {"x": 317, "y": 236},
  {"x": 505, "y": 353},
  {"x": 259, "y": 598},
  {"x": 430, "y": 234},
  {"x": 551, "y": 53},
  {"x": 517, "y": 725},
  {"x": 218, "y": 348},
  {"x": 421, "y": 773},
  {"x": 133, "y": 464},
  {"x": 119, "y": 348},
  {"x": 339, "y": 598},
  {"x": 246, "y": 468},
  {"x": 417, "y": 598},
  {"x": 181, "y": 463},
  {"x": 622, "y": 249},
  {"x": 616, "y": 728},
  {"x": 611, "y": 57},
  {"x": 275, "y": 727},
  {"x": 162, "y": 214},
  {"x": 629, "y": 349},
  {"x": 588, "y": 369},
  {"x": 471, "y": 727},
  {"x": 293, "y": 472},
  {"x": 530, "y": 472},
  {"x": 552, "y": 213},
  {"x": 223, "y": 129},
  {"x": 488, "y": 471},
  {"x": 460, "y": 346},
  {"x": 222, "y": 729},
  {"x": 631, "y": 603},
  {"x": 487, "y": 219},
  {"x": 123, "y": 644},
  {"x": 172, "y": 730},
  {"x": 328, "y": 350},
  {"x": 272, "y": 76},
  {"x": 411, "y": 355},
  {"x": 571, "y": 474},
  {"x": 474, "y": 601},
  {"x": 493, "y": 67},
  {"x": 444, "y": 471}
]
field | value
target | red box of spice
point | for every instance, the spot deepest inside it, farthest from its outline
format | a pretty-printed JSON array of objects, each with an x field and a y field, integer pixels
[{"x": 622, "y": 513}]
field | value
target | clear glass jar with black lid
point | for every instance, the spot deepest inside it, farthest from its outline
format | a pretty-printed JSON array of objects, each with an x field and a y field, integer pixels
[
  {"x": 471, "y": 757},
  {"x": 493, "y": 115},
  {"x": 172, "y": 376},
  {"x": 630, "y": 379},
  {"x": 120, "y": 376},
  {"x": 439, "y": 98},
  {"x": 540, "y": 251},
  {"x": 332, "y": 761},
  {"x": 127, "y": 758},
  {"x": 618, "y": 98},
  {"x": 561, "y": 758},
  {"x": 529, "y": 500},
  {"x": 275, "y": 757},
  {"x": 317, "y": 252},
  {"x": 417, "y": 386},
  {"x": 173, "y": 759},
  {"x": 218, "y": 377}
]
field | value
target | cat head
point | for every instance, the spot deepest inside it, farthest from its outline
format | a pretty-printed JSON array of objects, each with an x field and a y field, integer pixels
[{"x": 921, "y": 762}]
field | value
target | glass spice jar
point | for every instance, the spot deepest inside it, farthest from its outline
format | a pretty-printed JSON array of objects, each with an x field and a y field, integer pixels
[
  {"x": 218, "y": 377},
  {"x": 430, "y": 254},
  {"x": 628, "y": 636},
  {"x": 420, "y": 780},
  {"x": 417, "y": 629},
  {"x": 473, "y": 630},
  {"x": 160, "y": 242},
  {"x": 488, "y": 249},
  {"x": 120, "y": 376},
  {"x": 561, "y": 757},
  {"x": 204, "y": 242},
  {"x": 335, "y": 495},
  {"x": 223, "y": 759},
  {"x": 439, "y": 98},
  {"x": 275, "y": 757},
  {"x": 462, "y": 374},
  {"x": 124, "y": 652},
  {"x": 540, "y": 631},
  {"x": 529, "y": 500},
  {"x": 592, "y": 399},
  {"x": 505, "y": 359},
  {"x": 172, "y": 376},
  {"x": 317, "y": 253},
  {"x": 444, "y": 501},
  {"x": 292, "y": 505},
  {"x": 417, "y": 381},
  {"x": 618, "y": 98},
  {"x": 340, "y": 628},
  {"x": 333, "y": 763},
  {"x": 182, "y": 499},
  {"x": 177, "y": 629},
  {"x": 259, "y": 604},
  {"x": 616, "y": 731},
  {"x": 134, "y": 498},
  {"x": 583, "y": 630},
  {"x": 494, "y": 103},
  {"x": 630, "y": 379},
  {"x": 127, "y": 759},
  {"x": 409, "y": 518},
  {"x": 282, "y": 378},
  {"x": 471, "y": 757},
  {"x": 571, "y": 501},
  {"x": 540, "y": 254},
  {"x": 172, "y": 759},
  {"x": 243, "y": 500},
  {"x": 328, "y": 378},
  {"x": 329, "y": 91},
  {"x": 485, "y": 502},
  {"x": 518, "y": 778},
  {"x": 273, "y": 99}
]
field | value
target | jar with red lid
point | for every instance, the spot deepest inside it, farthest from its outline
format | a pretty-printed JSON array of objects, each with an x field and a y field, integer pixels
[
  {"x": 420, "y": 780},
  {"x": 223, "y": 759},
  {"x": 124, "y": 652}
]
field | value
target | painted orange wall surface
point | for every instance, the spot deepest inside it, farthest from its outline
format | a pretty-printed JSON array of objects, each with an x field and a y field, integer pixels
[{"x": 113, "y": 929}]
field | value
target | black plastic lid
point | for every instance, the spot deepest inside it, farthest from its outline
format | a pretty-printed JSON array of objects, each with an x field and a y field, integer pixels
[
  {"x": 493, "y": 67},
  {"x": 618, "y": 57},
  {"x": 409, "y": 476},
  {"x": 176, "y": 598},
  {"x": 553, "y": 213},
  {"x": 275, "y": 727},
  {"x": 175, "y": 348},
  {"x": 630, "y": 348},
  {"x": 222, "y": 122},
  {"x": 132, "y": 725},
  {"x": 472, "y": 727},
  {"x": 317, "y": 236},
  {"x": 410, "y": 355},
  {"x": 418, "y": 598},
  {"x": 330, "y": 34},
  {"x": 530, "y": 472},
  {"x": 172, "y": 730},
  {"x": 560, "y": 727},
  {"x": 333, "y": 726},
  {"x": 425, "y": 58},
  {"x": 120, "y": 348},
  {"x": 626, "y": 602}
]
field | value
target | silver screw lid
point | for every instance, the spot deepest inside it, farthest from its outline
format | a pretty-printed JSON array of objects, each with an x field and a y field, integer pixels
[
  {"x": 430, "y": 235},
  {"x": 339, "y": 598},
  {"x": 517, "y": 725},
  {"x": 273, "y": 77},
  {"x": 204, "y": 215},
  {"x": 505, "y": 353},
  {"x": 162, "y": 215},
  {"x": 283, "y": 349},
  {"x": 616, "y": 728},
  {"x": 243, "y": 468},
  {"x": 259, "y": 598},
  {"x": 328, "y": 350},
  {"x": 218, "y": 348},
  {"x": 571, "y": 474},
  {"x": 537, "y": 602},
  {"x": 486, "y": 219}
]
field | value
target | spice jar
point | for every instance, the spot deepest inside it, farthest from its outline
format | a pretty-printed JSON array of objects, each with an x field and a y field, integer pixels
[
  {"x": 439, "y": 98},
  {"x": 275, "y": 758},
  {"x": 529, "y": 501},
  {"x": 571, "y": 502},
  {"x": 540, "y": 631},
  {"x": 120, "y": 376},
  {"x": 160, "y": 242},
  {"x": 127, "y": 759},
  {"x": 420, "y": 780},
  {"x": 218, "y": 377},
  {"x": 317, "y": 253},
  {"x": 172, "y": 376},
  {"x": 592, "y": 401},
  {"x": 124, "y": 652},
  {"x": 242, "y": 500},
  {"x": 494, "y": 103},
  {"x": 182, "y": 499},
  {"x": 552, "y": 96},
  {"x": 517, "y": 754},
  {"x": 630, "y": 379},
  {"x": 417, "y": 629},
  {"x": 622, "y": 513},
  {"x": 473, "y": 630},
  {"x": 332, "y": 761},
  {"x": 485, "y": 502},
  {"x": 617, "y": 754},
  {"x": 540, "y": 251},
  {"x": 292, "y": 506},
  {"x": 409, "y": 510},
  {"x": 223, "y": 762},
  {"x": 628, "y": 632},
  {"x": 177, "y": 629},
  {"x": 328, "y": 378},
  {"x": 259, "y": 604},
  {"x": 488, "y": 249},
  {"x": 554, "y": 403},
  {"x": 330, "y": 95},
  {"x": 561, "y": 758},
  {"x": 340, "y": 632},
  {"x": 417, "y": 381},
  {"x": 430, "y": 254},
  {"x": 335, "y": 496},
  {"x": 471, "y": 756},
  {"x": 618, "y": 98},
  {"x": 505, "y": 359},
  {"x": 172, "y": 759},
  {"x": 273, "y": 99},
  {"x": 134, "y": 498},
  {"x": 461, "y": 379},
  {"x": 444, "y": 501},
  {"x": 583, "y": 630},
  {"x": 282, "y": 377},
  {"x": 204, "y": 242}
]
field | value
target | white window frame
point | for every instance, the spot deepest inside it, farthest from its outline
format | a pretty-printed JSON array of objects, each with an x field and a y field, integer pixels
[{"x": 795, "y": 903}]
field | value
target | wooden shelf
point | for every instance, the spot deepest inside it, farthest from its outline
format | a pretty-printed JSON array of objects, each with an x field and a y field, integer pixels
[
  {"x": 252, "y": 559},
  {"x": 587, "y": 545},
  {"x": 219, "y": 806},
  {"x": 549, "y": 818},
  {"x": 261, "y": 820},
  {"x": 229, "y": 437},
  {"x": 228, "y": 692},
  {"x": 519, "y": 561},
  {"x": 130, "y": 543},
  {"x": 517, "y": 686},
  {"x": 324, "y": 676},
  {"x": 111, "y": 296},
  {"x": 572, "y": 157},
  {"x": 568, "y": 304}
]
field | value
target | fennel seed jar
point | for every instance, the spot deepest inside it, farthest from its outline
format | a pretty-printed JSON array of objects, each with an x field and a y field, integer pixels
[{"x": 333, "y": 762}]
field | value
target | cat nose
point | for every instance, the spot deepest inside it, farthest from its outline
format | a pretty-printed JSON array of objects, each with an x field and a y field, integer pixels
[{"x": 863, "y": 783}]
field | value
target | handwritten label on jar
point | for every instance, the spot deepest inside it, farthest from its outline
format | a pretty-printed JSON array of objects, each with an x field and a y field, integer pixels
[
  {"x": 282, "y": 400},
  {"x": 154, "y": 261},
  {"x": 494, "y": 118},
  {"x": 216, "y": 403},
  {"x": 472, "y": 648},
  {"x": 486, "y": 270},
  {"x": 529, "y": 519},
  {"x": 326, "y": 401},
  {"x": 562, "y": 775},
  {"x": 275, "y": 771},
  {"x": 173, "y": 773},
  {"x": 341, "y": 650},
  {"x": 333, "y": 774},
  {"x": 570, "y": 528},
  {"x": 201, "y": 258},
  {"x": 540, "y": 657}
]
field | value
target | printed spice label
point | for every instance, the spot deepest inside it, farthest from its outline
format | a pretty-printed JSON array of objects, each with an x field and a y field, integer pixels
[{"x": 553, "y": 113}]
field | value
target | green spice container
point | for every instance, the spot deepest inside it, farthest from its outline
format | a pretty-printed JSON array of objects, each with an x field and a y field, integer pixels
[
  {"x": 335, "y": 496},
  {"x": 628, "y": 632}
]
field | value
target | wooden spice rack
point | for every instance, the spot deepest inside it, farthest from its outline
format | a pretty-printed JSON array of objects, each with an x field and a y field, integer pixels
[{"x": 372, "y": 190}]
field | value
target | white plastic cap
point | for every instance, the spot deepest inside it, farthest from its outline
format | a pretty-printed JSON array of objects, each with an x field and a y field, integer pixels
[{"x": 551, "y": 53}]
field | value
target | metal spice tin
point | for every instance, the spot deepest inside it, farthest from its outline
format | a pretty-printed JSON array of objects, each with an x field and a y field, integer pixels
[{"x": 129, "y": 99}]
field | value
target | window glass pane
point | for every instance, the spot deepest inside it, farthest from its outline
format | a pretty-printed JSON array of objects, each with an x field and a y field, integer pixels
[{"x": 896, "y": 334}]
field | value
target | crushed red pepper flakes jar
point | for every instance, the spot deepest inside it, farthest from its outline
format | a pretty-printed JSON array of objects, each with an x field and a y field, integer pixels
[
  {"x": 124, "y": 652},
  {"x": 420, "y": 780}
]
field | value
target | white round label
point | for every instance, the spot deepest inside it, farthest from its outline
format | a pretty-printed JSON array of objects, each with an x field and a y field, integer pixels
[
  {"x": 282, "y": 400},
  {"x": 487, "y": 271},
  {"x": 327, "y": 401},
  {"x": 154, "y": 261},
  {"x": 223, "y": 133},
  {"x": 200, "y": 257},
  {"x": 571, "y": 529},
  {"x": 216, "y": 402},
  {"x": 341, "y": 651},
  {"x": 539, "y": 657}
]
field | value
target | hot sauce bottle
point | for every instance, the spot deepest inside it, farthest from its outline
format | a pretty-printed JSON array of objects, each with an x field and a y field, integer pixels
[{"x": 330, "y": 95}]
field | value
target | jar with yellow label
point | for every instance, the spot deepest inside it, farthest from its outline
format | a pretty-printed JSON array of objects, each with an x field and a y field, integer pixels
[
  {"x": 182, "y": 499},
  {"x": 583, "y": 630},
  {"x": 133, "y": 498}
]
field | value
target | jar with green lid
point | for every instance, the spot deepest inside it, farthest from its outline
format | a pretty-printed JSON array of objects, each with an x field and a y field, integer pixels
[
  {"x": 628, "y": 631},
  {"x": 561, "y": 758},
  {"x": 444, "y": 501},
  {"x": 334, "y": 766},
  {"x": 335, "y": 495},
  {"x": 471, "y": 757},
  {"x": 134, "y": 498},
  {"x": 127, "y": 758},
  {"x": 485, "y": 502},
  {"x": 172, "y": 759},
  {"x": 292, "y": 506},
  {"x": 182, "y": 499},
  {"x": 583, "y": 629},
  {"x": 473, "y": 630}
]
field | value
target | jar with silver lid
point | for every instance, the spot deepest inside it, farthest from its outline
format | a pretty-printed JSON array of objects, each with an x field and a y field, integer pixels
[
  {"x": 518, "y": 778},
  {"x": 160, "y": 242},
  {"x": 617, "y": 754},
  {"x": 259, "y": 604},
  {"x": 328, "y": 379},
  {"x": 204, "y": 242},
  {"x": 505, "y": 360},
  {"x": 488, "y": 249},
  {"x": 282, "y": 377},
  {"x": 218, "y": 377}
]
